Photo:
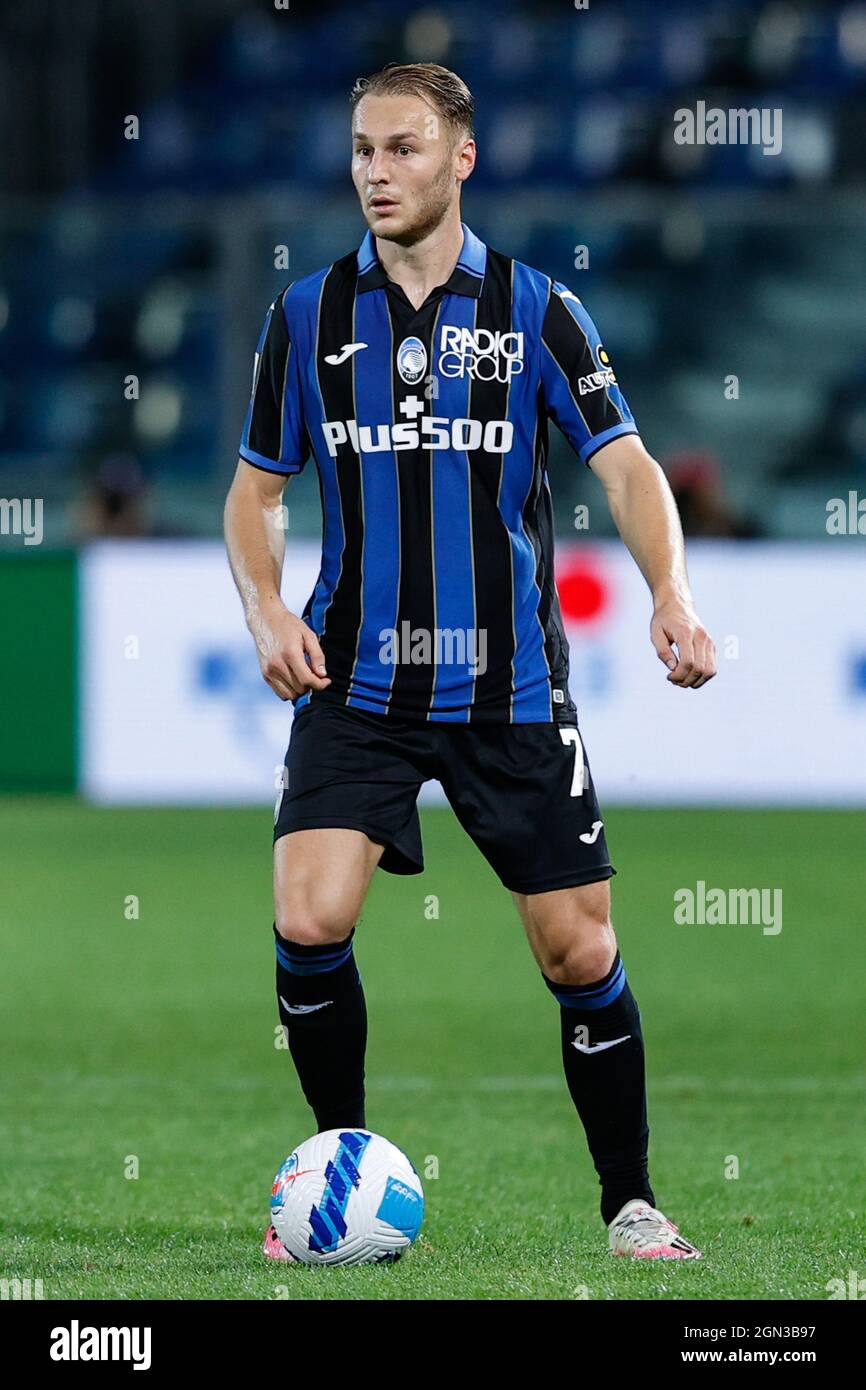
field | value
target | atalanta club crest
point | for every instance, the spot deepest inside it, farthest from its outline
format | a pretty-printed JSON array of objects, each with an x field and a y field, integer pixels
[{"x": 411, "y": 360}]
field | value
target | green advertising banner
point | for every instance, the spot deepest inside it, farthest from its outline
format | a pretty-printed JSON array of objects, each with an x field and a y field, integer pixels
[{"x": 38, "y": 663}]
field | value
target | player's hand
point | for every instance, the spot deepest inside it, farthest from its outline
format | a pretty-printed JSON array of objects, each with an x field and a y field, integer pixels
[
  {"x": 290, "y": 657},
  {"x": 676, "y": 624}
]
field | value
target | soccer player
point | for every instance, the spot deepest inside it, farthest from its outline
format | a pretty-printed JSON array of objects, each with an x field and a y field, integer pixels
[{"x": 420, "y": 372}]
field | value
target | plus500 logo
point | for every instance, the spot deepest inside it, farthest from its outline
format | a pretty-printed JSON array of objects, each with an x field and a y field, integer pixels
[{"x": 431, "y": 432}]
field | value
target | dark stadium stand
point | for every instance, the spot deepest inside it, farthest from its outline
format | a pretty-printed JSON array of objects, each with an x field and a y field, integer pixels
[{"x": 154, "y": 257}]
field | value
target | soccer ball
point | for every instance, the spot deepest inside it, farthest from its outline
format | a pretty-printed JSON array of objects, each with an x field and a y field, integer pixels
[{"x": 347, "y": 1197}]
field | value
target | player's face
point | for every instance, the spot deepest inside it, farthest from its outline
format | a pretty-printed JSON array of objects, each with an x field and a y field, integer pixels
[{"x": 407, "y": 165}]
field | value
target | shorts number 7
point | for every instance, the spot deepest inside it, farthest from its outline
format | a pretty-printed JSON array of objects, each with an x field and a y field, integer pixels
[{"x": 571, "y": 737}]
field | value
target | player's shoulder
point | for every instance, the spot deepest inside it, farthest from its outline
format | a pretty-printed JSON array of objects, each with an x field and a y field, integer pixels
[
  {"x": 522, "y": 277},
  {"x": 530, "y": 282},
  {"x": 300, "y": 298},
  {"x": 538, "y": 279},
  {"x": 553, "y": 290},
  {"x": 560, "y": 291},
  {"x": 304, "y": 294}
]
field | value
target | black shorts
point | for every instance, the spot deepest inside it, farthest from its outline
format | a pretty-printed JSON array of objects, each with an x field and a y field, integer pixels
[{"x": 523, "y": 792}]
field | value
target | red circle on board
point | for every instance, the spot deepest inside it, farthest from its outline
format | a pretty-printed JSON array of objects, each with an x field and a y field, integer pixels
[{"x": 583, "y": 594}]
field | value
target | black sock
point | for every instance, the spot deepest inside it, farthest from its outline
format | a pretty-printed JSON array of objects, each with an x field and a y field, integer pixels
[
  {"x": 322, "y": 1008},
  {"x": 608, "y": 1086}
]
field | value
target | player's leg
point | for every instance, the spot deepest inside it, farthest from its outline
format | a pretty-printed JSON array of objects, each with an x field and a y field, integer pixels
[
  {"x": 321, "y": 877},
  {"x": 525, "y": 795},
  {"x": 348, "y": 805},
  {"x": 571, "y": 936}
]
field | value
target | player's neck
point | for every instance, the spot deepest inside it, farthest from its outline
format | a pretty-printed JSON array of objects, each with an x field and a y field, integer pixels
[{"x": 419, "y": 268}]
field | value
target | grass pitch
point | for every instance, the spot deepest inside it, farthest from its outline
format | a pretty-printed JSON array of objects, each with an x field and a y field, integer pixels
[{"x": 147, "y": 1046}]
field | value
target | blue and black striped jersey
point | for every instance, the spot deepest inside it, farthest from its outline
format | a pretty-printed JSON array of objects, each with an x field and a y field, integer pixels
[{"x": 436, "y": 596}]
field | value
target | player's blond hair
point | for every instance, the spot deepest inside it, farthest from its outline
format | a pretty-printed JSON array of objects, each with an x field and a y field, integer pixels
[{"x": 444, "y": 90}]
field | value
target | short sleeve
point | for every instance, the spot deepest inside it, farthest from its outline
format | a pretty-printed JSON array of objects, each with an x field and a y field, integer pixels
[
  {"x": 274, "y": 436},
  {"x": 580, "y": 390}
]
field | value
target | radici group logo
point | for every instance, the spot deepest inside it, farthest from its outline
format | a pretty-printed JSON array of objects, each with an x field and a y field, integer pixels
[{"x": 483, "y": 354}]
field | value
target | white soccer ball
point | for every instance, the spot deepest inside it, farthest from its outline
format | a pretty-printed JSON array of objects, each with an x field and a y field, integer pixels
[{"x": 346, "y": 1196}]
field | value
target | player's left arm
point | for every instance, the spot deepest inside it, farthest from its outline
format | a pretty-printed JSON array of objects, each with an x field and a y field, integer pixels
[
  {"x": 643, "y": 507},
  {"x": 583, "y": 398}
]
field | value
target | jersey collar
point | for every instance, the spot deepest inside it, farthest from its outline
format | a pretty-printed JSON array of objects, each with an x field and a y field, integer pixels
[{"x": 467, "y": 277}]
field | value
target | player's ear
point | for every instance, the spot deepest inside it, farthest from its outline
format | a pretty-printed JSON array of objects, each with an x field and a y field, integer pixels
[{"x": 466, "y": 154}]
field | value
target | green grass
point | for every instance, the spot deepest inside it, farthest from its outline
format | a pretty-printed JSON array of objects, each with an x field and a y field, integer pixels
[{"x": 155, "y": 1038}]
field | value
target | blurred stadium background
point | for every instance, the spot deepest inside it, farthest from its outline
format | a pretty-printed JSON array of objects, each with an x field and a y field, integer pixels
[
  {"x": 152, "y": 258},
  {"x": 128, "y": 676}
]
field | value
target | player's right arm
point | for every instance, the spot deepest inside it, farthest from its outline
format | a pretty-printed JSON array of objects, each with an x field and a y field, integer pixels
[
  {"x": 254, "y": 535},
  {"x": 274, "y": 445}
]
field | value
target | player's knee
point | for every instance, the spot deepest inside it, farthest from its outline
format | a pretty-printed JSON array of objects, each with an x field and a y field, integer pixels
[
  {"x": 575, "y": 940},
  {"x": 587, "y": 957},
  {"x": 583, "y": 947},
  {"x": 314, "y": 918}
]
